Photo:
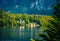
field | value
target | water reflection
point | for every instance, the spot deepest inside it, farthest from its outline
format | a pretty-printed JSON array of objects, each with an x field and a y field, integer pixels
[
  {"x": 21, "y": 33},
  {"x": 22, "y": 28}
]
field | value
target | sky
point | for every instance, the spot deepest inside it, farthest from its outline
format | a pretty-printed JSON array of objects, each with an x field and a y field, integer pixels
[{"x": 28, "y": 6}]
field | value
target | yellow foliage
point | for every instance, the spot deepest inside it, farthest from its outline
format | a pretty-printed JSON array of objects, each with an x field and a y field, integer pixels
[{"x": 32, "y": 39}]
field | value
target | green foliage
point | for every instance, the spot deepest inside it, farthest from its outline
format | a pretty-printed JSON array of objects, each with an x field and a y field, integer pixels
[
  {"x": 11, "y": 19},
  {"x": 49, "y": 24},
  {"x": 53, "y": 26},
  {"x": 7, "y": 19}
]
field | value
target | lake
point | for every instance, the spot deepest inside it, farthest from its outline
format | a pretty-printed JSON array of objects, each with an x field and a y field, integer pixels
[{"x": 20, "y": 33}]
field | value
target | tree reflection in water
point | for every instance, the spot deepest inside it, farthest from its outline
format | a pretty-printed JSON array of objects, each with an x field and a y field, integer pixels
[{"x": 19, "y": 33}]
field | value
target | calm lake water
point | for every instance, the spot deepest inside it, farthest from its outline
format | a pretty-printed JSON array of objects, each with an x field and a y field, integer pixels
[{"x": 21, "y": 33}]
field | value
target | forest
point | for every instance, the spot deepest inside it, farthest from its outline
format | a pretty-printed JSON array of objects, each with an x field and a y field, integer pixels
[{"x": 49, "y": 24}]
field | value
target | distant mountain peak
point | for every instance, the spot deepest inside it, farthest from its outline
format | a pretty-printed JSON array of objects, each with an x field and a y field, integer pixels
[{"x": 28, "y": 6}]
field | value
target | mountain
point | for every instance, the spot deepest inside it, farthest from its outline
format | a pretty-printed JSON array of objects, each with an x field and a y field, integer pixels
[{"x": 28, "y": 6}]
